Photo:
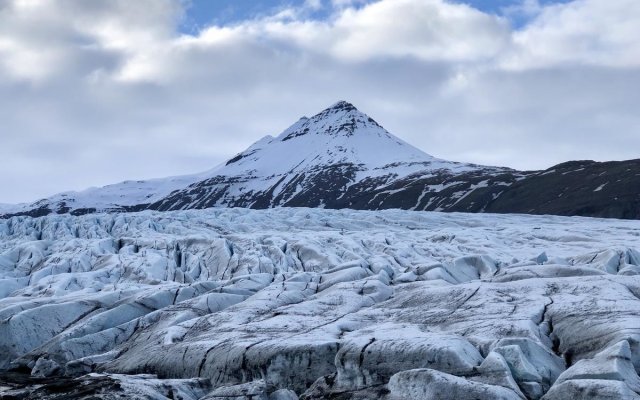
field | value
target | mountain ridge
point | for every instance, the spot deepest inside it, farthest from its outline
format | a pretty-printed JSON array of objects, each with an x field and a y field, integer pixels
[{"x": 342, "y": 158}]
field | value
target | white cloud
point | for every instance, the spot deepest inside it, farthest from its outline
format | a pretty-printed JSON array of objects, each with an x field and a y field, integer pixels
[
  {"x": 313, "y": 4},
  {"x": 583, "y": 32},
  {"x": 431, "y": 30},
  {"x": 525, "y": 8},
  {"x": 70, "y": 38},
  {"x": 101, "y": 91}
]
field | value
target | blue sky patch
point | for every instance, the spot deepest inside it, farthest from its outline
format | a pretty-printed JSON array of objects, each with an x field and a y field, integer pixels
[{"x": 203, "y": 13}]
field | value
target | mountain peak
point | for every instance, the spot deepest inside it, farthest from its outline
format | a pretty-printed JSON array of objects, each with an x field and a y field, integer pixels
[
  {"x": 340, "y": 119},
  {"x": 338, "y": 135},
  {"x": 340, "y": 111},
  {"x": 343, "y": 106}
]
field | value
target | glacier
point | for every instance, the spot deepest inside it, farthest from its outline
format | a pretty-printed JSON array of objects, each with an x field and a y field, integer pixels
[{"x": 290, "y": 303}]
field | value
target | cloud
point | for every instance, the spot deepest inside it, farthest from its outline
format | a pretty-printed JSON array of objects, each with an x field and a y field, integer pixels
[
  {"x": 313, "y": 4},
  {"x": 60, "y": 39},
  {"x": 430, "y": 30},
  {"x": 102, "y": 91},
  {"x": 583, "y": 32}
]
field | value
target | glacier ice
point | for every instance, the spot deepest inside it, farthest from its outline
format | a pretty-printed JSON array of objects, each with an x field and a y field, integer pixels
[{"x": 310, "y": 303}]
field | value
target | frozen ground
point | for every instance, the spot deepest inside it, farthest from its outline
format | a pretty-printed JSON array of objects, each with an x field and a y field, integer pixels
[{"x": 288, "y": 303}]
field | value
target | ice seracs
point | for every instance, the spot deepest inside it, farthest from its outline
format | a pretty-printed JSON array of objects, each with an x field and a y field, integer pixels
[{"x": 296, "y": 302}]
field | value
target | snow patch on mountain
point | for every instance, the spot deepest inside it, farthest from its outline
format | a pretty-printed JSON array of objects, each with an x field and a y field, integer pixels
[{"x": 341, "y": 134}]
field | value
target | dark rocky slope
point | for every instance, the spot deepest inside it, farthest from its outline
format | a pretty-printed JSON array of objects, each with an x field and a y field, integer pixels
[{"x": 586, "y": 188}]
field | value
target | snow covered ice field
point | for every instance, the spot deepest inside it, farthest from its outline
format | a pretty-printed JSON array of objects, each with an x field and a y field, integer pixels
[{"x": 293, "y": 302}]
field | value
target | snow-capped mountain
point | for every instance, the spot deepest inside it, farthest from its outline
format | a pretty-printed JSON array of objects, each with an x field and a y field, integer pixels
[
  {"x": 338, "y": 158},
  {"x": 114, "y": 197},
  {"x": 342, "y": 158}
]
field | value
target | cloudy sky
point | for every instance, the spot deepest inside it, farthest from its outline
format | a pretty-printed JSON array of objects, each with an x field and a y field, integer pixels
[{"x": 95, "y": 92}]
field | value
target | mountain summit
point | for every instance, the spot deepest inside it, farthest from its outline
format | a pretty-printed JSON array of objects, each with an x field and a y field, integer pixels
[
  {"x": 338, "y": 135},
  {"x": 342, "y": 158},
  {"x": 321, "y": 161},
  {"x": 342, "y": 118}
]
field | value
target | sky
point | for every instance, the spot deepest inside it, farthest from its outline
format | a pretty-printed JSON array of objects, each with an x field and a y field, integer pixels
[{"x": 96, "y": 92}]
